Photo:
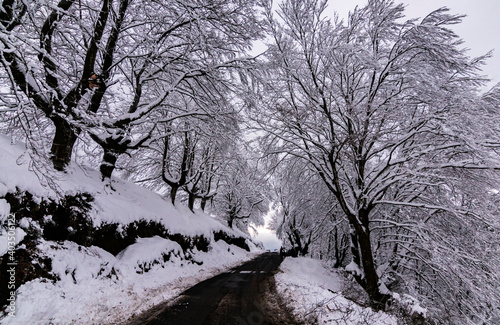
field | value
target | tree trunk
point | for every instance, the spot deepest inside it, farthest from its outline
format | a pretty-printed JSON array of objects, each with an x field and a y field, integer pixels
[
  {"x": 337, "y": 249},
  {"x": 363, "y": 256},
  {"x": 108, "y": 163},
  {"x": 191, "y": 200},
  {"x": 377, "y": 299},
  {"x": 173, "y": 193},
  {"x": 355, "y": 252},
  {"x": 62, "y": 144},
  {"x": 203, "y": 204},
  {"x": 305, "y": 249}
]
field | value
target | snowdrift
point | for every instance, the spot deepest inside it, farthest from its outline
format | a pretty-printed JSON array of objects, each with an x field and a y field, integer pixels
[{"x": 314, "y": 293}]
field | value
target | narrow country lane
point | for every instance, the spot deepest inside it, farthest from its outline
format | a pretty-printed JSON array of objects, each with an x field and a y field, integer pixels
[{"x": 245, "y": 295}]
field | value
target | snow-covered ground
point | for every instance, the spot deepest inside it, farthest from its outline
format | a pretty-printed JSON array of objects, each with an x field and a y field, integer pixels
[
  {"x": 96, "y": 287},
  {"x": 86, "y": 295},
  {"x": 314, "y": 293}
]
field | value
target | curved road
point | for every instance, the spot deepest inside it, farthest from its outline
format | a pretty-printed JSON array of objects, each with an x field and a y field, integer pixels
[{"x": 244, "y": 295}]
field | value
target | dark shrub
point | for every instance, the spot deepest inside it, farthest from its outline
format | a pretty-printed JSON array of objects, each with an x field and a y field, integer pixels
[
  {"x": 231, "y": 240},
  {"x": 29, "y": 266}
]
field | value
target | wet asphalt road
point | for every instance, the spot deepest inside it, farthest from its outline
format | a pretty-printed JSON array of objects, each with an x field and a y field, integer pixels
[{"x": 244, "y": 295}]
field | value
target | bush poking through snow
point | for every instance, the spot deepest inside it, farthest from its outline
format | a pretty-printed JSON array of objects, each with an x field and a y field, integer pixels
[
  {"x": 48, "y": 219},
  {"x": 61, "y": 220},
  {"x": 67, "y": 220},
  {"x": 231, "y": 240},
  {"x": 116, "y": 237},
  {"x": 29, "y": 266}
]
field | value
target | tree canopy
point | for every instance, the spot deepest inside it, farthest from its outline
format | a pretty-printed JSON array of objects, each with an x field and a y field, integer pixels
[{"x": 370, "y": 136}]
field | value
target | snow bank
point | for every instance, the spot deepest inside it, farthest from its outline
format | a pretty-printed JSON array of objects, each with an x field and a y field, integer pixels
[
  {"x": 147, "y": 252},
  {"x": 304, "y": 271},
  {"x": 314, "y": 293},
  {"x": 94, "y": 286},
  {"x": 97, "y": 288}
]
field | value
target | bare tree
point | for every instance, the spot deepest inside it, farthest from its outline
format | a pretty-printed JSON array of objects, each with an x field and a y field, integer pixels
[
  {"x": 189, "y": 152},
  {"x": 307, "y": 216},
  {"x": 184, "y": 167},
  {"x": 205, "y": 178}
]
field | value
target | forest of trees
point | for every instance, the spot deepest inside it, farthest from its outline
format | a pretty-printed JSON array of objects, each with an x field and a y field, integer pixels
[{"x": 372, "y": 137}]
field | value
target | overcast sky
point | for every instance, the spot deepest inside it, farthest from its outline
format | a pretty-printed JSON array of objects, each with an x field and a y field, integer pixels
[
  {"x": 480, "y": 29},
  {"x": 265, "y": 235}
]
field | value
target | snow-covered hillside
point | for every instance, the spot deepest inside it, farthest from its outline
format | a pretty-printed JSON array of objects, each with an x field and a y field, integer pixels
[{"x": 87, "y": 284}]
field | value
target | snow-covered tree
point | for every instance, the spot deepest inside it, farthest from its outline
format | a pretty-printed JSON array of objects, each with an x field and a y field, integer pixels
[
  {"x": 205, "y": 178},
  {"x": 187, "y": 153},
  {"x": 307, "y": 216},
  {"x": 242, "y": 191},
  {"x": 104, "y": 67},
  {"x": 386, "y": 112}
]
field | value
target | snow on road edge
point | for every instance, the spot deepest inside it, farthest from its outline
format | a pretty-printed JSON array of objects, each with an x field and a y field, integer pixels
[
  {"x": 314, "y": 294},
  {"x": 86, "y": 294}
]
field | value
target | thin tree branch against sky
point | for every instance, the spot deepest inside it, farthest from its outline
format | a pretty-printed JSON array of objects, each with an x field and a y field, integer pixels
[{"x": 479, "y": 29}]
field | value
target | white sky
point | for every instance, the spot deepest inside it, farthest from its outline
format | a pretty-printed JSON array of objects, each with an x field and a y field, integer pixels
[
  {"x": 268, "y": 238},
  {"x": 480, "y": 29},
  {"x": 265, "y": 235}
]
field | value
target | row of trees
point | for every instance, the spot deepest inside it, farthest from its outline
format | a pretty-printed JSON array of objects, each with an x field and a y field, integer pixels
[
  {"x": 381, "y": 152},
  {"x": 382, "y": 118},
  {"x": 149, "y": 79},
  {"x": 204, "y": 158}
]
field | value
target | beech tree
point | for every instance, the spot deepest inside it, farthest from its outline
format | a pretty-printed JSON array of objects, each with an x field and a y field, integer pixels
[
  {"x": 385, "y": 111},
  {"x": 185, "y": 164},
  {"x": 205, "y": 178},
  {"x": 187, "y": 153},
  {"x": 242, "y": 191},
  {"x": 103, "y": 67},
  {"x": 307, "y": 216},
  {"x": 196, "y": 163}
]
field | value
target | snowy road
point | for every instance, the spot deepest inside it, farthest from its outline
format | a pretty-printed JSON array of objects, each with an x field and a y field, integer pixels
[{"x": 243, "y": 295}]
